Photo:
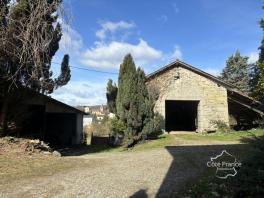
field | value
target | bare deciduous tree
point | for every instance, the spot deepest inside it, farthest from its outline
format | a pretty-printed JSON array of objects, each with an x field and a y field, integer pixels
[{"x": 29, "y": 38}]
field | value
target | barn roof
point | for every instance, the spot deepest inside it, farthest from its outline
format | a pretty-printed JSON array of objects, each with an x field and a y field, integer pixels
[
  {"x": 66, "y": 106},
  {"x": 52, "y": 100},
  {"x": 233, "y": 93}
]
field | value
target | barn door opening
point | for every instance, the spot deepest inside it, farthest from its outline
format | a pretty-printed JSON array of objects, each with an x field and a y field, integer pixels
[
  {"x": 181, "y": 115},
  {"x": 60, "y": 128}
]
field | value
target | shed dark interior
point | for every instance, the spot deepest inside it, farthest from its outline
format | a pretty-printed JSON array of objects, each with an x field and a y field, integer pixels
[
  {"x": 55, "y": 128},
  {"x": 244, "y": 118},
  {"x": 60, "y": 128},
  {"x": 181, "y": 115},
  {"x": 33, "y": 121}
]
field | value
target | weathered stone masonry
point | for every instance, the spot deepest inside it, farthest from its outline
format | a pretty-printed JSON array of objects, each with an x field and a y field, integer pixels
[{"x": 182, "y": 84}]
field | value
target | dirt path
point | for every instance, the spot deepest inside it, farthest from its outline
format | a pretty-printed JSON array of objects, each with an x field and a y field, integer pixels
[{"x": 160, "y": 172}]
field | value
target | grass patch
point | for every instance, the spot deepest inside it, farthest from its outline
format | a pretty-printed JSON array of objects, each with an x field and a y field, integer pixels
[
  {"x": 234, "y": 136},
  {"x": 181, "y": 139},
  {"x": 161, "y": 142}
]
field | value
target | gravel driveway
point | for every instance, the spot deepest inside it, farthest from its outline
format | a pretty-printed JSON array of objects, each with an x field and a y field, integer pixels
[{"x": 153, "y": 173}]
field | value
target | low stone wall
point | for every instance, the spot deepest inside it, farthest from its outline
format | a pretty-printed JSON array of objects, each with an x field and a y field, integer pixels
[{"x": 100, "y": 140}]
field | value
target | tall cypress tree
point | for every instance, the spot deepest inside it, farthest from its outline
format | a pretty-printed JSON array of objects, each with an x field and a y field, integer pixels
[
  {"x": 126, "y": 97},
  {"x": 111, "y": 93},
  {"x": 145, "y": 108},
  {"x": 261, "y": 53},
  {"x": 126, "y": 87},
  {"x": 134, "y": 103},
  {"x": 65, "y": 74},
  {"x": 236, "y": 72}
]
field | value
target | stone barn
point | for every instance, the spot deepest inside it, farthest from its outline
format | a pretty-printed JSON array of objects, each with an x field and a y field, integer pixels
[{"x": 192, "y": 100}]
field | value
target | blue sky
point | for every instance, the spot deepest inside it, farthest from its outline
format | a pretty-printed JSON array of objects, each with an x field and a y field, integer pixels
[{"x": 203, "y": 33}]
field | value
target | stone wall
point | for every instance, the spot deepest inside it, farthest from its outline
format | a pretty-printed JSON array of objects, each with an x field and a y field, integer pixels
[{"x": 191, "y": 86}]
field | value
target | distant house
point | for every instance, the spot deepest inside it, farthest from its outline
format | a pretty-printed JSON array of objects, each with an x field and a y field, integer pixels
[
  {"x": 93, "y": 113},
  {"x": 193, "y": 100},
  {"x": 98, "y": 110},
  {"x": 87, "y": 120},
  {"x": 51, "y": 120}
]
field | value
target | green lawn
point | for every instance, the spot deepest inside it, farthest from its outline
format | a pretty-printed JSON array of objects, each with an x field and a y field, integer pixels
[
  {"x": 235, "y": 136},
  {"x": 183, "y": 139}
]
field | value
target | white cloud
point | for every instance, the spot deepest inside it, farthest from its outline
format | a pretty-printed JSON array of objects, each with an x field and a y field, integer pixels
[
  {"x": 105, "y": 53},
  {"x": 81, "y": 93},
  {"x": 111, "y": 55},
  {"x": 172, "y": 56},
  {"x": 112, "y": 27},
  {"x": 71, "y": 41},
  {"x": 163, "y": 18},
  {"x": 175, "y": 8},
  {"x": 253, "y": 57},
  {"x": 177, "y": 53}
]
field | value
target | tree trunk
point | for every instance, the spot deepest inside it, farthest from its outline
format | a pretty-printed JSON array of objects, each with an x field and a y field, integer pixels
[{"x": 3, "y": 117}]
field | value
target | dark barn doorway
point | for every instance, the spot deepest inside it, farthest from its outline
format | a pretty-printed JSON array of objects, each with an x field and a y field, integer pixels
[
  {"x": 181, "y": 115},
  {"x": 60, "y": 128},
  {"x": 32, "y": 121}
]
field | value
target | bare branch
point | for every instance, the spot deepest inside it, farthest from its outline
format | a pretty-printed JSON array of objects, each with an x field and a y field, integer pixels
[{"x": 25, "y": 43}]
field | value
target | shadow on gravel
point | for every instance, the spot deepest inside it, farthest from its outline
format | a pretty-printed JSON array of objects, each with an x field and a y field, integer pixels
[
  {"x": 83, "y": 150},
  {"x": 141, "y": 193},
  {"x": 99, "y": 144},
  {"x": 189, "y": 163}
]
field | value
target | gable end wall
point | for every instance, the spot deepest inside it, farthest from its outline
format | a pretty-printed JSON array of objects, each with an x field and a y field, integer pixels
[{"x": 213, "y": 103}]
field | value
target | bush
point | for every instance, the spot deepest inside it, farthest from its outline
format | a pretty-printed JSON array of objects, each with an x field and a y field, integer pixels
[
  {"x": 221, "y": 126},
  {"x": 153, "y": 128},
  {"x": 98, "y": 129},
  {"x": 116, "y": 128},
  {"x": 259, "y": 123}
]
